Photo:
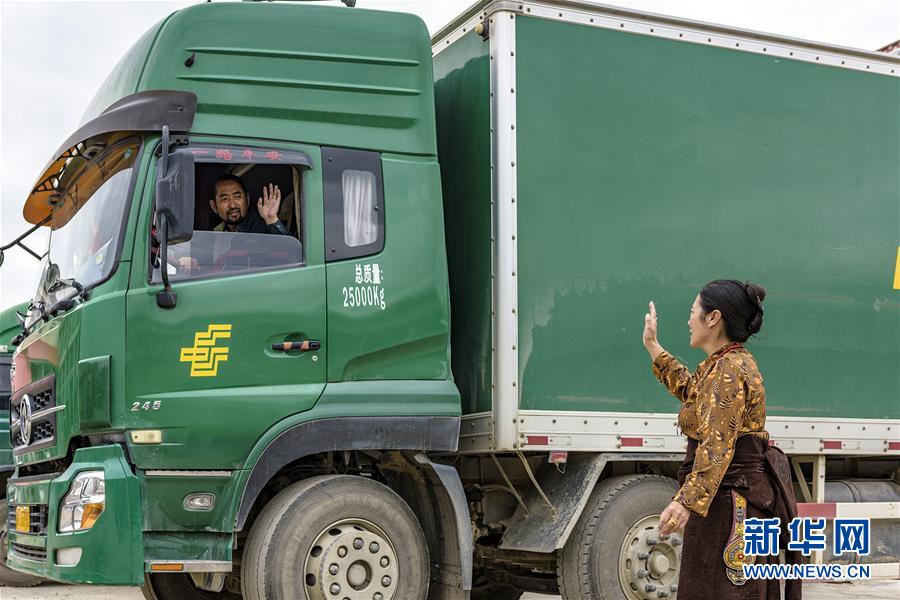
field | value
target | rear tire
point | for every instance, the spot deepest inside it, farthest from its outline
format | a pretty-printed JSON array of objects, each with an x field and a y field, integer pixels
[
  {"x": 10, "y": 577},
  {"x": 335, "y": 536},
  {"x": 600, "y": 561}
]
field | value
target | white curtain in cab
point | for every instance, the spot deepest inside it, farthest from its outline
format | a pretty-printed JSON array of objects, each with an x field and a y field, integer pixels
[{"x": 360, "y": 223}]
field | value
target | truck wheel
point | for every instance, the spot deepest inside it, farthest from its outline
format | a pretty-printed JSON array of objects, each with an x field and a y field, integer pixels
[
  {"x": 9, "y": 577},
  {"x": 178, "y": 586},
  {"x": 336, "y": 536},
  {"x": 615, "y": 551}
]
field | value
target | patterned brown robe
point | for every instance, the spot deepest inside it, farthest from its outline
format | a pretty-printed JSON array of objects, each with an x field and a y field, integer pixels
[{"x": 723, "y": 414}]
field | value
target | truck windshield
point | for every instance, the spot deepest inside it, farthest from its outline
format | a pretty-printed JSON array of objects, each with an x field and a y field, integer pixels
[{"x": 87, "y": 222}]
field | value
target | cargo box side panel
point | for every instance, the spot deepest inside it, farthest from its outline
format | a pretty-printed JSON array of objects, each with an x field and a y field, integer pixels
[
  {"x": 647, "y": 167},
  {"x": 462, "y": 104}
]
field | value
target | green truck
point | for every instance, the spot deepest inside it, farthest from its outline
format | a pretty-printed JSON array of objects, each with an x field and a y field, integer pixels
[
  {"x": 433, "y": 384},
  {"x": 9, "y": 328}
]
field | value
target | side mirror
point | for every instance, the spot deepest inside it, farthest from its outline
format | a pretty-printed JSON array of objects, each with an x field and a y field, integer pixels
[{"x": 175, "y": 195}]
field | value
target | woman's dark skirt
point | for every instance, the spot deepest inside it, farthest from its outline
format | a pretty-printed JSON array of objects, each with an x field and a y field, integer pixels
[{"x": 757, "y": 473}]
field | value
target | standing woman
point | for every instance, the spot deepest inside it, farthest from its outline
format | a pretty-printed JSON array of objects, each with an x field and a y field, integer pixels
[{"x": 730, "y": 473}]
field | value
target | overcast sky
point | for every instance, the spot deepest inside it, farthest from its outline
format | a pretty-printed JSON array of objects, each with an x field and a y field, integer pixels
[{"x": 54, "y": 56}]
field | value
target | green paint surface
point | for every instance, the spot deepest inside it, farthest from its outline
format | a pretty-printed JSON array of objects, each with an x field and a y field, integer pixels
[
  {"x": 647, "y": 167},
  {"x": 194, "y": 545},
  {"x": 164, "y": 496},
  {"x": 93, "y": 389},
  {"x": 462, "y": 106}
]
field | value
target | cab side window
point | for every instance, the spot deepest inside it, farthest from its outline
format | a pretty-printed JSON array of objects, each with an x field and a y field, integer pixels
[
  {"x": 354, "y": 203},
  {"x": 248, "y": 214}
]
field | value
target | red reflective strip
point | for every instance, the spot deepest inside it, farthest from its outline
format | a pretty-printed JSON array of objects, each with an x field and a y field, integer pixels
[
  {"x": 537, "y": 440},
  {"x": 893, "y": 445},
  {"x": 824, "y": 510},
  {"x": 832, "y": 444},
  {"x": 632, "y": 441},
  {"x": 772, "y": 443}
]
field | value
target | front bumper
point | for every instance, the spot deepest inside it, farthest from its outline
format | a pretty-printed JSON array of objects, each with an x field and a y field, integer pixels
[{"x": 111, "y": 551}]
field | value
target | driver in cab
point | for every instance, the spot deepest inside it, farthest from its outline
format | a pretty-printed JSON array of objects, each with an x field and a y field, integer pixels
[{"x": 232, "y": 202}]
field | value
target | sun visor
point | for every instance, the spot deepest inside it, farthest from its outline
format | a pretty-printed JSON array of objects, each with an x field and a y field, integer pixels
[{"x": 144, "y": 111}]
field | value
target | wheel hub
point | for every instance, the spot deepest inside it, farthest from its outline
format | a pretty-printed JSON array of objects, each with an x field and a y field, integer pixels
[
  {"x": 351, "y": 559},
  {"x": 649, "y": 562},
  {"x": 659, "y": 564}
]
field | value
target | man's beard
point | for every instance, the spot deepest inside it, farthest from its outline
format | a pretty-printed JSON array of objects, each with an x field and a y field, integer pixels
[{"x": 233, "y": 217}]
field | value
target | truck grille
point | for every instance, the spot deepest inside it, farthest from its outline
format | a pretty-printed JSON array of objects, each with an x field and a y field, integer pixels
[
  {"x": 39, "y": 418},
  {"x": 38, "y": 519},
  {"x": 29, "y": 552},
  {"x": 42, "y": 400},
  {"x": 39, "y": 433}
]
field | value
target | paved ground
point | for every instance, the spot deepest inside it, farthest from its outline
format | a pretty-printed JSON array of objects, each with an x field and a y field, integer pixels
[{"x": 814, "y": 591}]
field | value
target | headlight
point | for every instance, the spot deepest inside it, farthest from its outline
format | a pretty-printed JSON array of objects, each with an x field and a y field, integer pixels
[{"x": 84, "y": 503}]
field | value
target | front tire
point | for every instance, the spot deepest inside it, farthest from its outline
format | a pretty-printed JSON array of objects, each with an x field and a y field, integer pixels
[
  {"x": 336, "y": 536},
  {"x": 615, "y": 551},
  {"x": 178, "y": 586},
  {"x": 10, "y": 577}
]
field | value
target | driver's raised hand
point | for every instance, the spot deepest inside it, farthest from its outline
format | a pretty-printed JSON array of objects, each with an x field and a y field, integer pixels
[{"x": 269, "y": 204}]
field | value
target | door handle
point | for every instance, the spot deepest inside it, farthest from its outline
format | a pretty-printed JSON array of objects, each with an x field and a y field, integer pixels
[{"x": 304, "y": 346}]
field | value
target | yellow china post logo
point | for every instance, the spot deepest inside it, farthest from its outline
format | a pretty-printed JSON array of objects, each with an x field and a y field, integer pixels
[{"x": 204, "y": 355}]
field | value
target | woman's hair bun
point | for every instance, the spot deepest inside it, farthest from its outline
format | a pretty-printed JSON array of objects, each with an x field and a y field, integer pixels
[{"x": 756, "y": 292}]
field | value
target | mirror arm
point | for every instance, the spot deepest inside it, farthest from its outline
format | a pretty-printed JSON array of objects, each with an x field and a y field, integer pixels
[
  {"x": 18, "y": 240},
  {"x": 164, "y": 149},
  {"x": 166, "y": 298}
]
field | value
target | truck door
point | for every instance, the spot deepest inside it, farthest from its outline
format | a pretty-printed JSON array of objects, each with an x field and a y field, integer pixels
[{"x": 240, "y": 350}]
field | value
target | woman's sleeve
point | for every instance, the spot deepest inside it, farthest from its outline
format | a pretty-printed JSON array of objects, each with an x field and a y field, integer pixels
[
  {"x": 672, "y": 374},
  {"x": 724, "y": 394}
]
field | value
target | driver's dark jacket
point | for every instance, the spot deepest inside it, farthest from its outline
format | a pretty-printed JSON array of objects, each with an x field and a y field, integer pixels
[{"x": 253, "y": 223}]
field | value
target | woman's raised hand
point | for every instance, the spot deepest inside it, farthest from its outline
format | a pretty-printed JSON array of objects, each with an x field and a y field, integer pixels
[
  {"x": 651, "y": 343},
  {"x": 650, "y": 326}
]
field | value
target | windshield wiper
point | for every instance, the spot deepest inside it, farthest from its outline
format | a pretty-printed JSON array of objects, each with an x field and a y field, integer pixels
[
  {"x": 44, "y": 313},
  {"x": 66, "y": 304},
  {"x": 72, "y": 283},
  {"x": 23, "y": 320}
]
